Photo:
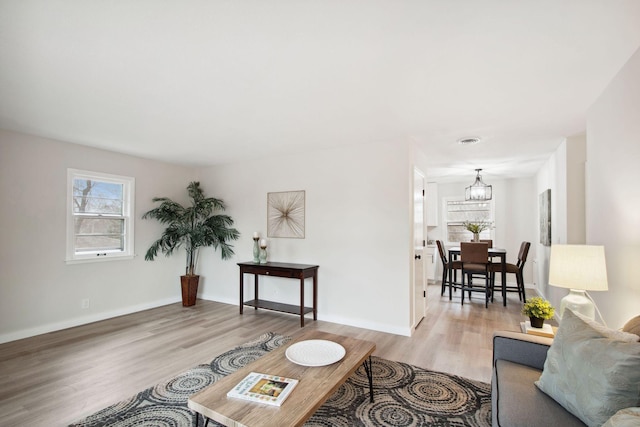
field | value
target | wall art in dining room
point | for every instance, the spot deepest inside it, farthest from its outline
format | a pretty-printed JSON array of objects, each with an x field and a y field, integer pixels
[
  {"x": 285, "y": 214},
  {"x": 545, "y": 217}
]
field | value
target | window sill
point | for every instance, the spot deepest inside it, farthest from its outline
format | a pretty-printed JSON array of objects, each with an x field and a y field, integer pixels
[{"x": 99, "y": 259}]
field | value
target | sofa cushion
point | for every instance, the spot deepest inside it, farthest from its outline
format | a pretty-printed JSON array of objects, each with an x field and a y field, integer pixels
[
  {"x": 591, "y": 375},
  {"x": 518, "y": 402}
]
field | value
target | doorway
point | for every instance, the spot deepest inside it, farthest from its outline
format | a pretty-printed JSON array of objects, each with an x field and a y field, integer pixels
[{"x": 419, "y": 294}]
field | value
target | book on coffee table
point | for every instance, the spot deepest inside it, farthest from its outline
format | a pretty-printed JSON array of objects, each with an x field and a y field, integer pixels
[{"x": 263, "y": 388}]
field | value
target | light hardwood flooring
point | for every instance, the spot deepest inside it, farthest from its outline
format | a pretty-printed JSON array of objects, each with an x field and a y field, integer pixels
[{"x": 60, "y": 377}]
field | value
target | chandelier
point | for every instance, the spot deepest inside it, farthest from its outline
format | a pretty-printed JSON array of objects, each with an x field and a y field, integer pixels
[{"x": 478, "y": 191}]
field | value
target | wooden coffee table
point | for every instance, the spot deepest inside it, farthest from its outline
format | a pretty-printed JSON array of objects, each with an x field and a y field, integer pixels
[{"x": 315, "y": 385}]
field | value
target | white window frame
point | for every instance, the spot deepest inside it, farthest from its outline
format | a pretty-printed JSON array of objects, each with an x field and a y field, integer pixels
[
  {"x": 487, "y": 234},
  {"x": 128, "y": 197}
]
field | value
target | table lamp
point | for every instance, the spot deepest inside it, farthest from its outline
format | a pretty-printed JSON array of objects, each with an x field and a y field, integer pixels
[{"x": 579, "y": 268}]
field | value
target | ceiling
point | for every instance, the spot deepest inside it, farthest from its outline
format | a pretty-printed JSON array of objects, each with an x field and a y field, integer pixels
[{"x": 211, "y": 82}]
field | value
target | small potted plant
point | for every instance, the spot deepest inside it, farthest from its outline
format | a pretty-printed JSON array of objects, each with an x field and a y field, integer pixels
[
  {"x": 476, "y": 228},
  {"x": 538, "y": 309}
]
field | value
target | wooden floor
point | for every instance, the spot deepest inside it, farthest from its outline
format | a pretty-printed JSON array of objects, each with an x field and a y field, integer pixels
[{"x": 57, "y": 378}]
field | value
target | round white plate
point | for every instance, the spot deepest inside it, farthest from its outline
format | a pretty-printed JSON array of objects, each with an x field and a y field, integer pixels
[{"x": 315, "y": 352}]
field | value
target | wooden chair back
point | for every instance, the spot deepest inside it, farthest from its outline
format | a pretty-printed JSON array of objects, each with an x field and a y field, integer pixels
[
  {"x": 443, "y": 256},
  {"x": 487, "y": 241},
  {"x": 474, "y": 252},
  {"x": 524, "y": 252}
]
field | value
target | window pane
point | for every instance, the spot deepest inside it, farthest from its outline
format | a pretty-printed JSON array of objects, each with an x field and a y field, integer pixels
[
  {"x": 459, "y": 211},
  {"x": 99, "y": 216},
  {"x": 457, "y": 233},
  {"x": 96, "y": 234},
  {"x": 98, "y": 197}
]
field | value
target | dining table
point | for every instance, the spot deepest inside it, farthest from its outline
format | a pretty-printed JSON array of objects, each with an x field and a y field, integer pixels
[{"x": 454, "y": 253}]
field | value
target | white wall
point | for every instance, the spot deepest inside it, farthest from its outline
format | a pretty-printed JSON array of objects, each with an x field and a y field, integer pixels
[
  {"x": 515, "y": 214},
  {"x": 358, "y": 230},
  {"x": 598, "y": 204},
  {"x": 551, "y": 176},
  {"x": 613, "y": 196},
  {"x": 39, "y": 292},
  {"x": 576, "y": 217}
]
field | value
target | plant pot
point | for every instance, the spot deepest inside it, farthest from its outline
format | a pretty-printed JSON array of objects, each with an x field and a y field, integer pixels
[
  {"x": 189, "y": 289},
  {"x": 536, "y": 322}
]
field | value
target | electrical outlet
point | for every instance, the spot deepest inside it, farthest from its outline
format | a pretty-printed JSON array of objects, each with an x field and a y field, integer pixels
[{"x": 84, "y": 303}]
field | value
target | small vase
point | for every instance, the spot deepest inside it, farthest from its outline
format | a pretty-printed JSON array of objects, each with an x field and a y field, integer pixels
[
  {"x": 256, "y": 250},
  {"x": 536, "y": 322},
  {"x": 476, "y": 237}
]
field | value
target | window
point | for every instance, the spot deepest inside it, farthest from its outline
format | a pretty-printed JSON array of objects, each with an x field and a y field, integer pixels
[
  {"x": 459, "y": 211},
  {"x": 99, "y": 216}
]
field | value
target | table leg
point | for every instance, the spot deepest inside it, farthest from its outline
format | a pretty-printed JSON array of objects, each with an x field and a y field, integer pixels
[
  {"x": 241, "y": 290},
  {"x": 315, "y": 295},
  {"x": 302, "y": 301},
  {"x": 255, "y": 290},
  {"x": 449, "y": 278},
  {"x": 503, "y": 260},
  {"x": 369, "y": 371},
  {"x": 197, "y": 423}
]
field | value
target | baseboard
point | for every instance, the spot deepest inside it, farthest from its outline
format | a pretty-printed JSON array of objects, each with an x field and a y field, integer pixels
[
  {"x": 78, "y": 321},
  {"x": 374, "y": 326}
]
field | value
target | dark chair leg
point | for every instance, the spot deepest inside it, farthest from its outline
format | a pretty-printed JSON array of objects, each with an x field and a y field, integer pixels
[
  {"x": 524, "y": 297},
  {"x": 493, "y": 284},
  {"x": 486, "y": 292},
  {"x": 462, "y": 289},
  {"x": 444, "y": 280}
]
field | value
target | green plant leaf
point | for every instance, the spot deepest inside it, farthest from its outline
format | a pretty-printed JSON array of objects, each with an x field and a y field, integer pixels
[{"x": 192, "y": 227}]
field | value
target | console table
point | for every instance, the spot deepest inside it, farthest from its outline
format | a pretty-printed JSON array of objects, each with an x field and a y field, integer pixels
[{"x": 280, "y": 269}]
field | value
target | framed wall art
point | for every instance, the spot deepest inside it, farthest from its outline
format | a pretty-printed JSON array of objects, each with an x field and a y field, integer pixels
[
  {"x": 285, "y": 214},
  {"x": 545, "y": 217}
]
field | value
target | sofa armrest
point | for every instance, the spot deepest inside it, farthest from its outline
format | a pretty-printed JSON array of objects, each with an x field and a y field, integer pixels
[{"x": 529, "y": 350}]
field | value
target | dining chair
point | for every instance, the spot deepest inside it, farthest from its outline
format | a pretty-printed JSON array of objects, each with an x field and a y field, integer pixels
[
  {"x": 474, "y": 257},
  {"x": 446, "y": 264},
  {"x": 487, "y": 241},
  {"x": 516, "y": 269}
]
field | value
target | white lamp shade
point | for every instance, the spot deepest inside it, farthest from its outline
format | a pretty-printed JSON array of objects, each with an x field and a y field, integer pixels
[{"x": 578, "y": 267}]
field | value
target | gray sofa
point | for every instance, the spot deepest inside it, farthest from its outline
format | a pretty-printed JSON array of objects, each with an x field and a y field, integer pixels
[{"x": 518, "y": 360}]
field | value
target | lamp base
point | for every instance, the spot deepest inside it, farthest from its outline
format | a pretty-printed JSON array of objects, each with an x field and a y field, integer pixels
[{"x": 578, "y": 302}]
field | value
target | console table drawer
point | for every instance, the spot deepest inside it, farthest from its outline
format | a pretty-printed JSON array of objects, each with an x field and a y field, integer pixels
[{"x": 271, "y": 272}]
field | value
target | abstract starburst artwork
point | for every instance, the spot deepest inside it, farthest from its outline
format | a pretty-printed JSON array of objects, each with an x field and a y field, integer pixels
[{"x": 285, "y": 214}]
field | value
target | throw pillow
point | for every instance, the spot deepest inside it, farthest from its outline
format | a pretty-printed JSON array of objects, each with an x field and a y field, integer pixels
[
  {"x": 632, "y": 326},
  {"x": 590, "y": 375},
  {"x": 609, "y": 333},
  {"x": 629, "y": 417}
]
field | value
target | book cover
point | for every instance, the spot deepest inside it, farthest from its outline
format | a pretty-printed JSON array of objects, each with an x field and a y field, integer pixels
[
  {"x": 545, "y": 331},
  {"x": 263, "y": 388}
]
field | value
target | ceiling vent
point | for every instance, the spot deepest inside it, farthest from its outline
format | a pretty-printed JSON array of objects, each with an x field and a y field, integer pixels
[{"x": 468, "y": 141}]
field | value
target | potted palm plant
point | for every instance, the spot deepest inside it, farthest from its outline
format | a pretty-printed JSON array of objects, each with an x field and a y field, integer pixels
[{"x": 191, "y": 227}]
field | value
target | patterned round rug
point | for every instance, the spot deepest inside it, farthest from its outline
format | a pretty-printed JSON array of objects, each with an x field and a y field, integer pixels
[{"x": 404, "y": 395}]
